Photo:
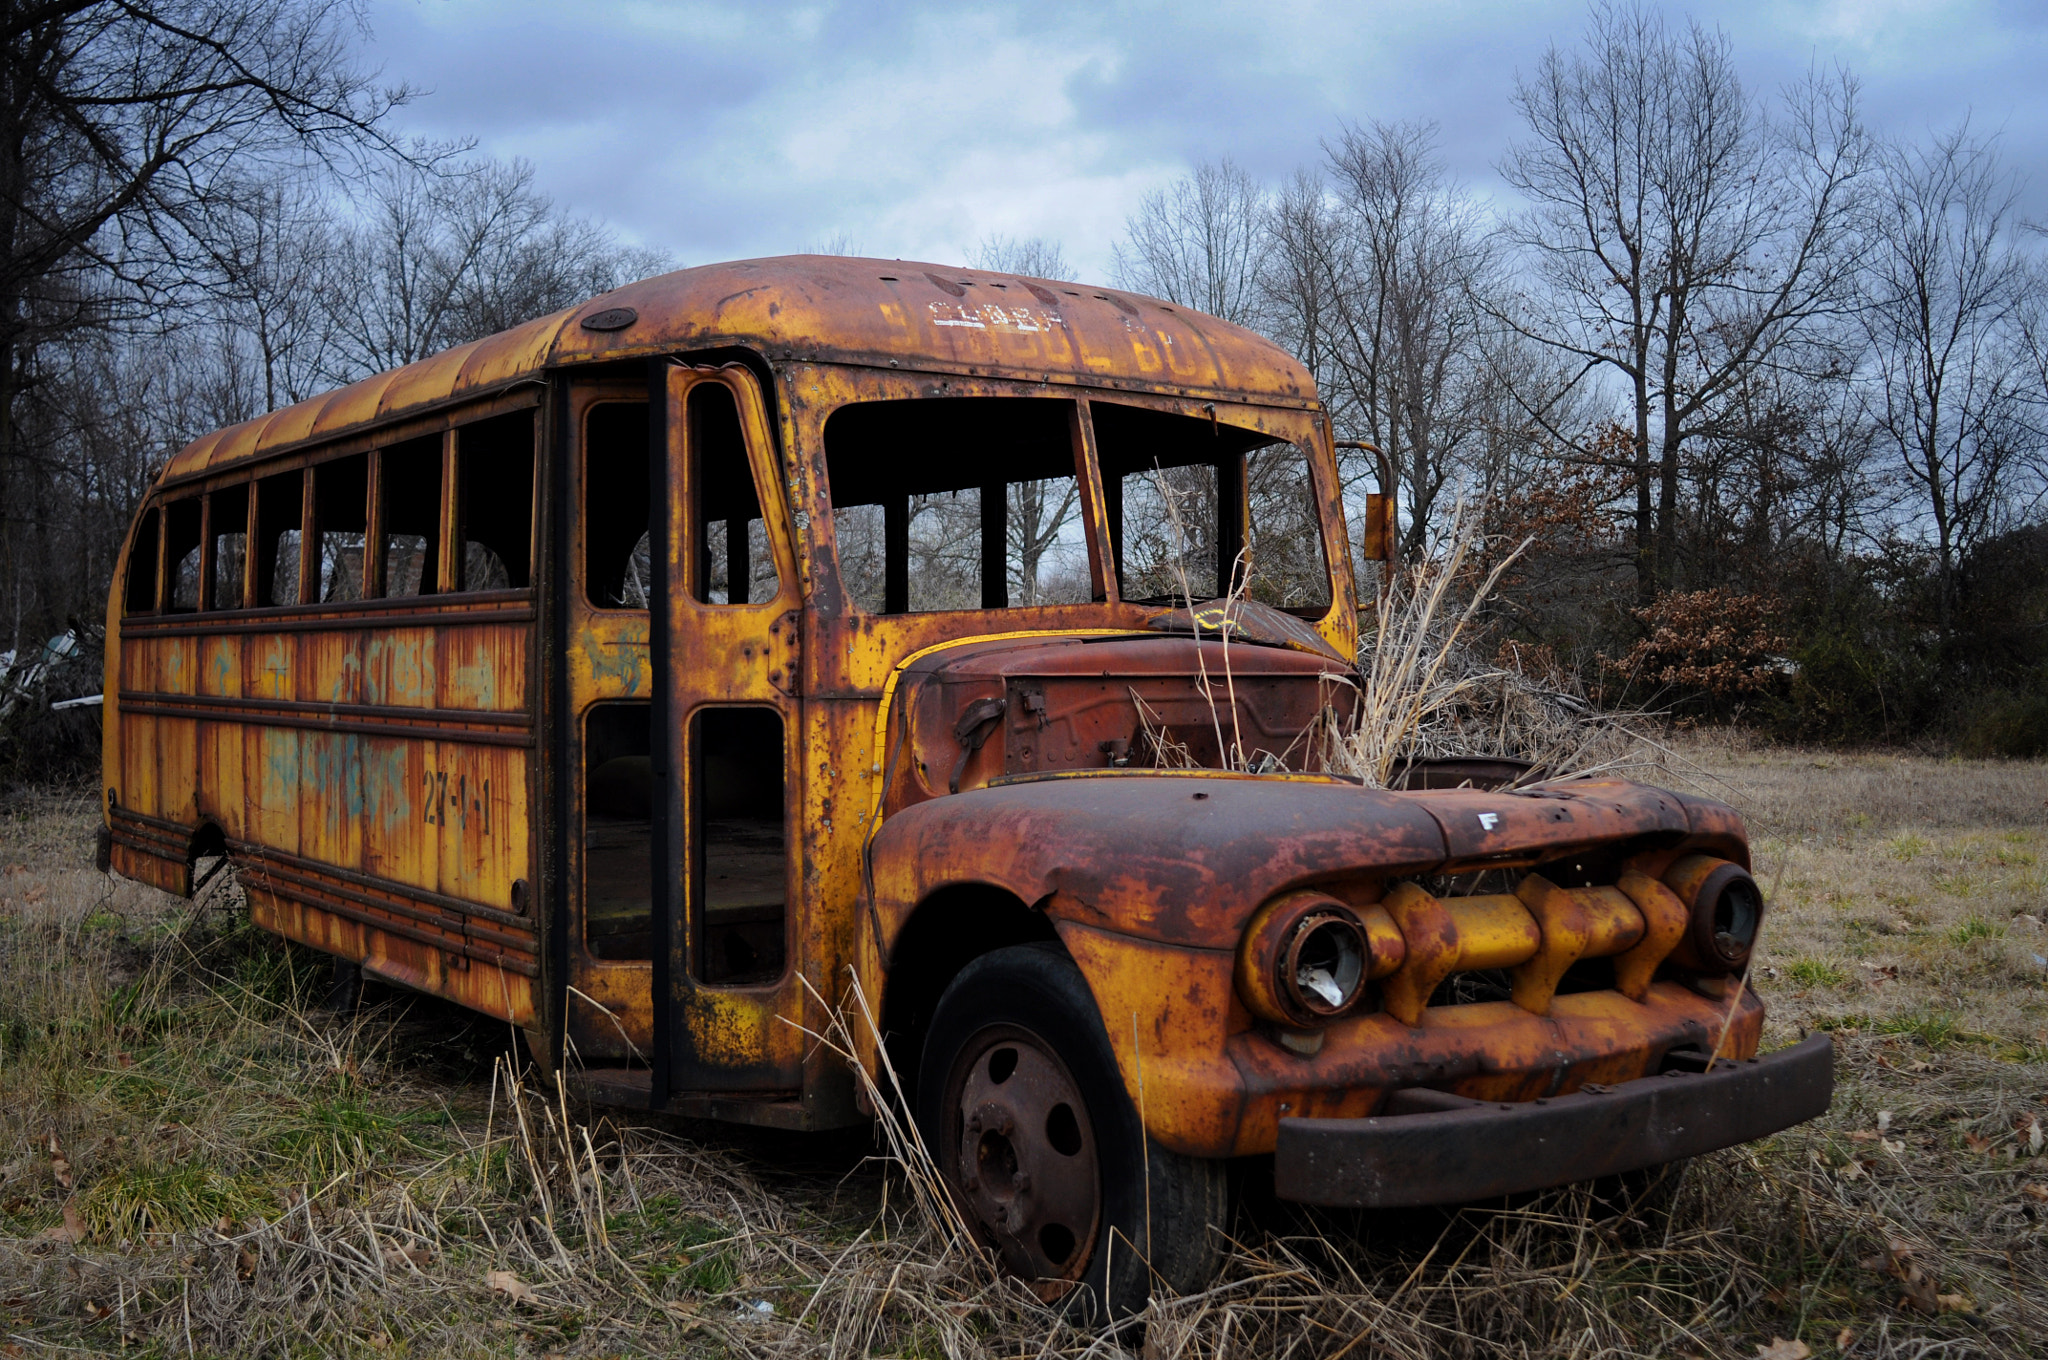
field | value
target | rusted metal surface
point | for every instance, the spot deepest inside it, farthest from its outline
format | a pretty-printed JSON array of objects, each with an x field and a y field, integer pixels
[
  {"x": 437, "y": 785},
  {"x": 1152, "y": 880},
  {"x": 1451, "y": 1155},
  {"x": 1186, "y": 857},
  {"x": 820, "y": 309}
]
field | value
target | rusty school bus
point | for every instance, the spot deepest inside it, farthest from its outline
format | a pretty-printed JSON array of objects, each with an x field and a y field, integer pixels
[{"x": 776, "y": 623}]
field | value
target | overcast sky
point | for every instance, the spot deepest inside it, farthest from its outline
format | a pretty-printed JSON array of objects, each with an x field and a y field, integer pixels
[{"x": 728, "y": 130}]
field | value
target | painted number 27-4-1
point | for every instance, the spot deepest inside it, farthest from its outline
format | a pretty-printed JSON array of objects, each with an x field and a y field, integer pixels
[{"x": 455, "y": 800}]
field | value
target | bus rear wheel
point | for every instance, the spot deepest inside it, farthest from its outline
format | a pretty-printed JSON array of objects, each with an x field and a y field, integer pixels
[{"x": 1023, "y": 1109}]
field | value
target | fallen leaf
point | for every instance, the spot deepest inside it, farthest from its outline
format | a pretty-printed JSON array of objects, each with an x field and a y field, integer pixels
[
  {"x": 1781, "y": 1349},
  {"x": 60, "y": 1165},
  {"x": 510, "y": 1285},
  {"x": 93, "y": 1309},
  {"x": 125, "y": 1059},
  {"x": 1977, "y": 1143},
  {"x": 245, "y": 1265},
  {"x": 1863, "y": 1136},
  {"x": 1896, "y": 1147},
  {"x": 73, "y": 1228},
  {"x": 1884, "y": 1121},
  {"x": 1916, "y": 1287},
  {"x": 1952, "y": 1303},
  {"x": 1851, "y": 1170},
  {"x": 419, "y": 1256},
  {"x": 2036, "y": 1192},
  {"x": 226, "y": 1226},
  {"x": 1845, "y": 1338},
  {"x": 2034, "y": 1135},
  {"x": 1919, "y": 1067}
]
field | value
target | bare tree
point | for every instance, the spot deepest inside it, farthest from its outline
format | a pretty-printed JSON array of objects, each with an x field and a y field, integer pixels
[
  {"x": 1200, "y": 243},
  {"x": 1947, "y": 298},
  {"x": 1678, "y": 237},
  {"x": 1033, "y": 257},
  {"x": 124, "y": 125},
  {"x": 1409, "y": 350},
  {"x": 272, "y": 252},
  {"x": 442, "y": 257}
]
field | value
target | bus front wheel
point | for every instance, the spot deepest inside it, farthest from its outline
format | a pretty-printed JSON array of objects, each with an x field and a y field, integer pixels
[{"x": 1021, "y": 1106}]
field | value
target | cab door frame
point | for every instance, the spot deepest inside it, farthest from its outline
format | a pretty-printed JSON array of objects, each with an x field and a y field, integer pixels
[{"x": 709, "y": 1038}]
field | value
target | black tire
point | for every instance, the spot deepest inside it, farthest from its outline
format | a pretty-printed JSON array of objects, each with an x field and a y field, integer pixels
[{"x": 1031, "y": 1003}]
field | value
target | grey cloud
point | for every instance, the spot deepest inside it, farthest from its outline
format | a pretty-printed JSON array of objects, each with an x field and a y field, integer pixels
[{"x": 723, "y": 131}]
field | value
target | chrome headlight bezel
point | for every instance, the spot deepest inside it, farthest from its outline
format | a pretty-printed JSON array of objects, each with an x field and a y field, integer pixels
[{"x": 1303, "y": 961}]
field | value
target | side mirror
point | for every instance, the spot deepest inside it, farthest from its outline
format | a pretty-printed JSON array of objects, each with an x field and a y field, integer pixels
[
  {"x": 1379, "y": 528},
  {"x": 1380, "y": 540}
]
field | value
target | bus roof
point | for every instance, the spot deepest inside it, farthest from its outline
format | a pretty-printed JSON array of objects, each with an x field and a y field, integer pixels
[{"x": 836, "y": 309}]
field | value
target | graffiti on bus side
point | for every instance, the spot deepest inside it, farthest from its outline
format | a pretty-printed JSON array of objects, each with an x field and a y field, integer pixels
[{"x": 452, "y": 802}]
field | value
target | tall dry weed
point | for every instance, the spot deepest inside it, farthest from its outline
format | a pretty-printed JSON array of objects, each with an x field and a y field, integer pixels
[{"x": 1423, "y": 691}]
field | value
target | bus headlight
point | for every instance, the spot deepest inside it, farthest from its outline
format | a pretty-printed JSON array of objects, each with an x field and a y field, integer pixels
[
  {"x": 1726, "y": 908},
  {"x": 1302, "y": 960}
]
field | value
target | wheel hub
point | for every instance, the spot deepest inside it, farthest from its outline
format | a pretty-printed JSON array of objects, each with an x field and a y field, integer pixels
[{"x": 1025, "y": 1160}]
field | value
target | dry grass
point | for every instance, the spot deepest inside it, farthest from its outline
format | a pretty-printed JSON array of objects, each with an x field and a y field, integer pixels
[
  {"x": 1423, "y": 691},
  {"x": 257, "y": 1179}
]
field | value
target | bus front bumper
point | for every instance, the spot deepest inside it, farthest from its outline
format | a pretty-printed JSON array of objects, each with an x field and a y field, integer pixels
[{"x": 1483, "y": 1149}]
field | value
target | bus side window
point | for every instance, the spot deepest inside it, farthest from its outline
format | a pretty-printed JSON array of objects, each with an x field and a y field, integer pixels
[
  {"x": 615, "y": 523},
  {"x": 280, "y": 503},
  {"x": 142, "y": 564},
  {"x": 341, "y": 498},
  {"x": 495, "y": 523},
  {"x": 410, "y": 483},
  {"x": 229, "y": 517},
  {"x": 183, "y": 556}
]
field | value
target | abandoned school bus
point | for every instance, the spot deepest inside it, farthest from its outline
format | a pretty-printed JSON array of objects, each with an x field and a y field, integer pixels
[{"x": 760, "y": 626}]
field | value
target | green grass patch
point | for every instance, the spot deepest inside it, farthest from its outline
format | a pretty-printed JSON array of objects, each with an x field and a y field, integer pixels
[
  {"x": 138, "y": 1200},
  {"x": 321, "y": 1139},
  {"x": 699, "y": 1261},
  {"x": 1975, "y": 928},
  {"x": 1906, "y": 848},
  {"x": 1935, "y": 1029},
  {"x": 1817, "y": 973}
]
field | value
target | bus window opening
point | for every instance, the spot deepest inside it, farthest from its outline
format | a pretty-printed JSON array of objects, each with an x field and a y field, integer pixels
[
  {"x": 615, "y": 499},
  {"x": 341, "y": 494},
  {"x": 229, "y": 516},
  {"x": 280, "y": 504},
  {"x": 410, "y": 484},
  {"x": 957, "y": 503},
  {"x": 735, "y": 562},
  {"x": 496, "y": 520},
  {"x": 740, "y": 841},
  {"x": 141, "y": 598},
  {"x": 1198, "y": 507},
  {"x": 182, "y": 552},
  {"x": 618, "y": 793}
]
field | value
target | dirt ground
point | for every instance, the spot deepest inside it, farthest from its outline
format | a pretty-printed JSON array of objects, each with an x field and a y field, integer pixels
[{"x": 196, "y": 1159}]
